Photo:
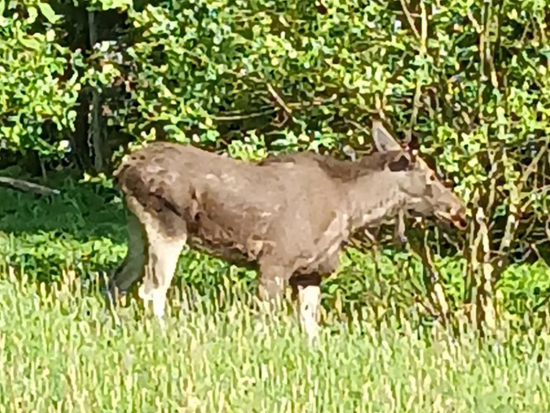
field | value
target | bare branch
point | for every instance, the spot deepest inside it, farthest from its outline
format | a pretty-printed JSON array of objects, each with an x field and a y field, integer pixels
[
  {"x": 279, "y": 100},
  {"x": 475, "y": 23},
  {"x": 243, "y": 116},
  {"x": 533, "y": 165},
  {"x": 423, "y": 50},
  {"x": 515, "y": 207},
  {"x": 409, "y": 18},
  {"x": 27, "y": 186},
  {"x": 357, "y": 125}
]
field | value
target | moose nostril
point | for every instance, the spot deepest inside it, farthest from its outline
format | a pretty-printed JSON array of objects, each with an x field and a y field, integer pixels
[{"x": 462, "y": 222}]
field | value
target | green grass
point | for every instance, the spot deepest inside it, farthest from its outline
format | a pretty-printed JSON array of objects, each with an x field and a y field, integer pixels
[{"x": 61, "y": 351}]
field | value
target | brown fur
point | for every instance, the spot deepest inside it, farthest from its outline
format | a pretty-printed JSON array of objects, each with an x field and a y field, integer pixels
[
  {"x": 288, "y": 215},
  {"x": 286, "y": 202}
]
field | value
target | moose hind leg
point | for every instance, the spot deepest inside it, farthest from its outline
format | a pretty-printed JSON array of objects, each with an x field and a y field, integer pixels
[
  {"x": 163, "y": 255},
  {"x": 132, "y": 268},
  {"x": 307, "y": 289},
  {"x": 272, "y": 283}
]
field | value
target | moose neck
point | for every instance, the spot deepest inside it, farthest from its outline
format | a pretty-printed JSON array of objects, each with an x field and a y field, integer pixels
[{"x": 375, "y": 198}]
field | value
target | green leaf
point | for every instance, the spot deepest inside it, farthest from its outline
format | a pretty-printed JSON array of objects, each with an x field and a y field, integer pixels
[
  {"x": 33, "y": 13},
  {"x": 48, "y": 12},
  {"x": 30, "y": 43}
]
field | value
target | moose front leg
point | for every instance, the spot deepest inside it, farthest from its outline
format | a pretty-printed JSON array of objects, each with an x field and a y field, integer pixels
[
  {"x": 399, "y": 234},
  {"x": 307, "y": 289}
]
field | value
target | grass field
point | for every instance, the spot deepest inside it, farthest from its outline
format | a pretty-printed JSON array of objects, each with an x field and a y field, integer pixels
[{"x": 60, "y": 351}]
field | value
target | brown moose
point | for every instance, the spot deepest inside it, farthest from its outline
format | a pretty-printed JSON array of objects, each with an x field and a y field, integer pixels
[{"x": 287, "y": 216}]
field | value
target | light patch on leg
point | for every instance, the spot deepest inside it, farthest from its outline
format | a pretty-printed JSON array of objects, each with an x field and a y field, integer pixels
[
  {"x": 270, "y": 294},
  {"x": 157, "y": 297},
  {"x": 310, "y": 299},
  {"x": 271, "y": 289},
  {"x": 163, "y": 259}
]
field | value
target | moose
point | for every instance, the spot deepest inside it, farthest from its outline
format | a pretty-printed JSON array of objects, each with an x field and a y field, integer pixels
[{"x": 287, "y": 216}]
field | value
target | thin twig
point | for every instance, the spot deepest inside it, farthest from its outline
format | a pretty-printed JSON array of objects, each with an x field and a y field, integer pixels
[
  {"x": 268, "y": 110},
  {"x": 475, "y": 23},
  {"x": 279, "y": 100},
  {"x": 533, "y": 165},
  {"x": 515, "y": 208},
  {"x": 27, "y": 186},
  {"x": 423, "y": 50},
  {"x": 243, "y": 116},
  {"x": 358, "y": 126},
  {"x": 424, "y": 32},
  {"x": 409, "y": 18},
  {"x": 95, "y": 127}
]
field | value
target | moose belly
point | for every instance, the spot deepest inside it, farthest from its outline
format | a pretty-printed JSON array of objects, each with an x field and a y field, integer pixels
[
  {"x": 324, "y": 261},
  {"x": 222, "y": 250},
  {"x": 323, "y": 265},
  {"x": 222, "y": 241}
]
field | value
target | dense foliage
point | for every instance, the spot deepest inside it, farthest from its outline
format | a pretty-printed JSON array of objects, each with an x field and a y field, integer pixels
[{"x": 468, "y": 82}]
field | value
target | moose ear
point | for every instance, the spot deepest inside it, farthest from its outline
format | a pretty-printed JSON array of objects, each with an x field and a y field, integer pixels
[
  {"x": 383, "y": 140},
  {"x": 401, "y": 162}
]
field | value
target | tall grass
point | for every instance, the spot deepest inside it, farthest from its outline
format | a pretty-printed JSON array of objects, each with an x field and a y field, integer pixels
[{"x": 61, "y": 351}]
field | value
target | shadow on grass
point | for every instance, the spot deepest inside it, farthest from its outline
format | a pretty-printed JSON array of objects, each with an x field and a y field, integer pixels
[
  {"x": 82, "y": 229},
  {"x": 83, "y": 209}
]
